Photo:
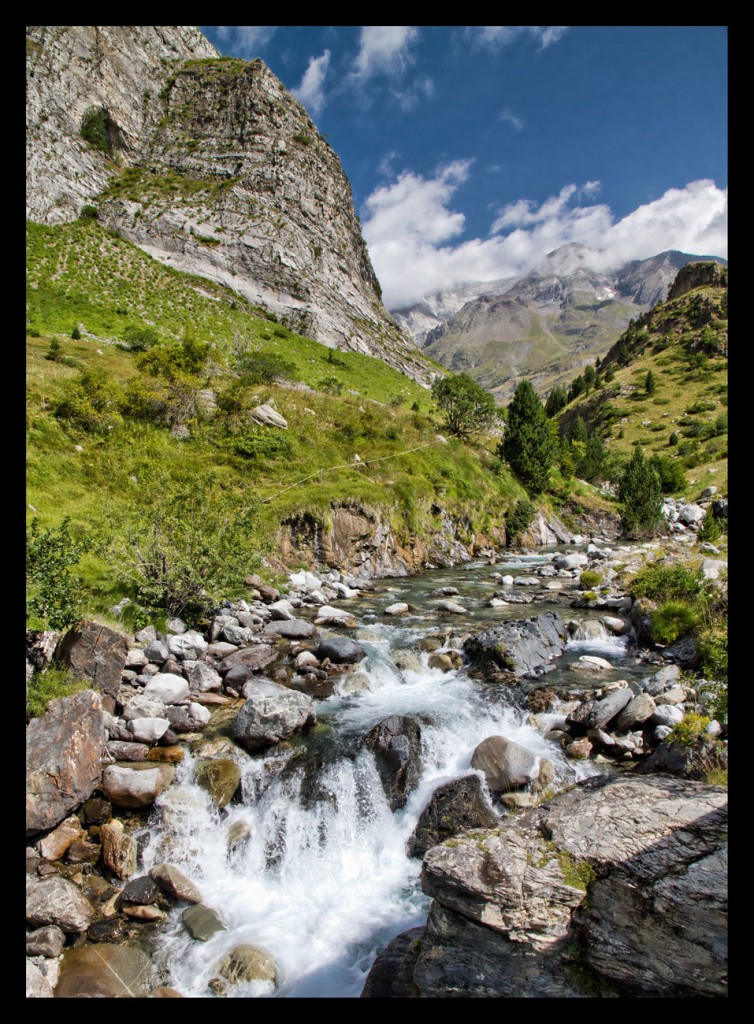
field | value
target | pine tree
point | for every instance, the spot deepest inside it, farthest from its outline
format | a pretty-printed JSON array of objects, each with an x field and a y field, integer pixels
[
  {"x": 650, "y": 384},
  {"x": 529, "y": 444},
  {"x": 640, "y": 493}
]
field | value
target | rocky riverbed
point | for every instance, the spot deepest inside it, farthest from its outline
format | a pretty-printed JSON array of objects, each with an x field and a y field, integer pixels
[{"x": 564, "y": 819}]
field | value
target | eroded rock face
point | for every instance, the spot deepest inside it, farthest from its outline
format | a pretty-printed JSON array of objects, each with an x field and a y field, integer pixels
[
  {"x": 64, "y": 749},
  {"x": 523, "y": 646},
  {"x": 95, "y": 653},
  {"x": 510, "y": 917},
  {"x": 455, "y": 806}
]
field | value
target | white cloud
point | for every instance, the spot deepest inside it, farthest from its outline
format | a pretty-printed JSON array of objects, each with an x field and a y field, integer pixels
[
  {"x": 311, "y": 92},
  {"x": 384, "y": 48},
  {"x": 493, "y": 37},
  {"x": 250, "y": 37},
  {"x": 412, "y": 231},
  {"x": 422, "y": 88},
  {"x": 511, "y": 118}
]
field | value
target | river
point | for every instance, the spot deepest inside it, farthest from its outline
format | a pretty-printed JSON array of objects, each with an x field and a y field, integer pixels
[{"x": 324, "y": 882}]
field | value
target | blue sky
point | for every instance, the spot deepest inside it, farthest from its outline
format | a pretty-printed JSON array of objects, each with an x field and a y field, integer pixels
[{"x": 474, "y": 151}]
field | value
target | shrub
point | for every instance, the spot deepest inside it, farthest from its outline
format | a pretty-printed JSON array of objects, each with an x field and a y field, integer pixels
[
  {"x": 689, "y": 730},
  {"x": 590, "y": 579},
  {"x": 709, "y": 528},
  {"x": 259, "y": 445},
  {"x": 518, "y": 520},
  {"x": 54, "y": 592},
  {"x": 331, "y": 385},
  {"x": 91, "y": 403},
  {"x": 670, "y": 472},
  {"x": 713, "y": 651},
  {"x": 88, "y": 212},
  {"x": 140, "y": 338},
  {"x": 76, "y": 334},
  {"x": 671, "y": 621},
  {"x": 95, "y": 128},
  {"x": 55, "y": 351},
  {"x": 668, "y": 583}
]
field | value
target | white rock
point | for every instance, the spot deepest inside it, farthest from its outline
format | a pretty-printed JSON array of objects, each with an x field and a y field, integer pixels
[
  {"x": 167, "y": 687},
  {"x": 199, "y": 713},
  {"x": 507, "y": 581},
  {"x": 190, "y": 644},
  {"x": 592, "y": 661},
  {"x": 148, "y": 730},
  {"x": 400, "y": 608},
  {"x": 266, "y": 415},
  {"x": 691, "y": 514},
  {"x": 312, "y": 582},
  {"x": 281, "y": 610}
]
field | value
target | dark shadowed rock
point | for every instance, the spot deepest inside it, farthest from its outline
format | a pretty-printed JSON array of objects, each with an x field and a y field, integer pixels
[
  {"x": 595, "y": 714},
  {"x": 340, "y": 650},
  {"x": 64, "y": 749},
  {"x": 202, "y": 922},
  {"x": 396, "y": 745},
  {"x": 455, "y": 806},
  {"x": 521, "y": 646},
  {"x": 392, "y": 973},
  {"x": 95, "y": 653},
  {"x": 140, "y": 890}
]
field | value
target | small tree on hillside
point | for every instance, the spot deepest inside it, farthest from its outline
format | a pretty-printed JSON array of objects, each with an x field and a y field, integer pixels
[
  {"x": 641, "y": 495},
  {"x": 529, "y": 444},
  {"x": 467, "y": 406}
]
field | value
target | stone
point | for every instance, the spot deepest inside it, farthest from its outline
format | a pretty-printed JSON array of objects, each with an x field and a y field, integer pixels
[
  {"x": 399, "y": 608},
  {"x": 592, "y": 663},
  {"x": 97, "y": 811},
  {"x": 248, "y": 963},
  {"x": 636, "y": 712},
  {"x": 148, "y": 730},
  {"x": 271, "y": 713},
  {"x": 140, "y": 890},
  {"x": 441, "y": 660},
  {"x": 57, "y": 901},
  {"x": 202, "y": 922},
  {"x": 570, "y": 561},
  {"x": 136, "y": 785},
  {"x": 617, "y": 626},
  {"x": 268, "y": 416},
  {"x": 675, "y": 695},
  {"x": 119, "y": 850},
  {"x": 220, "y": 777},
  {"x": 296, "y": 629},
  {"x": 167, "y": 755},
  {"x": 407, "y": 661},
  {"x": 167, "y": 687},
  {"x": 64, "y": 751},
  {"x": 579, "y": 749},
  {"x": 122, "y": 750},
  {"x": 254, "y": 659},
  {"x": 104, "y": 970},
  {"x": 37, "y": 985},
  {"x": 175, "y": 883},
  {"x": 144, "y": 913},
  {"x": 54, "y": 845},
  {"x": 185, "y": 718},
  {"x": 453, "y": 807},
  {"x": 190, "y": 644},
  {"x": 520, "y": 646},
  {"x": 239, "y": 835},
  {"x": 165, "y": 992},
  {"x": 328, "y": 616},
  {"x": 136, "y": 658},
  {"x": 47, "y": 941},
  {"x": 506, "y": 765},
  {"x": 656, "y": 684},
  {"x": 83, "y": 852},
  {"x": 202, "y": 677},
  {"x": 340, "y": 650},
  {"x": 97, "y": 654},
  {"x": 176, "y": 625},
  {"x": 451, "y": 606},
  {"x": 396, "y": 745},
  {"x": 667, "y": 714},
  {"x": 691, "y": 515}
]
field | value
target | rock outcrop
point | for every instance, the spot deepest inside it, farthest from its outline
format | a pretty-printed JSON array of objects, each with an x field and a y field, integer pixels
[{"x": 210, "y": 165}]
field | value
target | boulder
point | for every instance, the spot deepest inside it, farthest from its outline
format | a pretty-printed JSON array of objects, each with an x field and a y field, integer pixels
[
  {"x": 248, "y": 963},
  {"x": 122, "y": 750},
  {"x": 142, "y": 705},
  {"x": 340, "y": 650},
  {"x": 157, "y": 652},
  {"x": 95, "y": 653},
  {"x": 271, "y": 713},
  {"x": 37, "y": 985},
  {"x": 104, "y": 970},
  {"x": 64, "y": 751},
  {"x": 655, "y": 684},
  {"x": 175, "y": 884},
  {"x": 667, "y": 714},
  {"x": 295, "y": 629},
  {"x": 520, "y": 646},
  {"x": 54, "y": 845},
  {"x": 119, "y": 850},
  {"x": 595, "y": 714},
  {"x": 148, "y": 730},
  {"x": 396, "y": 745},
  {"x": 451, "y": 606},
  {"x": 636, "y": 712},
  {"x": 190, "y": 717},
  {"x": 570, "y": 561},
  {"x": 268, "y": 417},
  {"x": 255, "y": 658},
  {"x": 142, "y": 890},
  {"x": 136, "y": 785},
  {"x": 453, "y": 807},
  {"x": 57, "y": 901},
  {"x": 167, "y": 687},
  {"x": 202, "y": 922},
  {"x": 399, "y": 608},
  {"x": 47, "y": 941},
  {"x": 201, "y": 676},
  {"x": 220, "y": 777},
  {"x": 506, "y": 765}
]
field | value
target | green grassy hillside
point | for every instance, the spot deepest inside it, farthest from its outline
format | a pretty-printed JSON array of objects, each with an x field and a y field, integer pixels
[{"x": 109, "y": 426}]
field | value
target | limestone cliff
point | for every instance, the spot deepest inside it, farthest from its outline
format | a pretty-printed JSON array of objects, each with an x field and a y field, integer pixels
[{"x": 210, "y": 165}]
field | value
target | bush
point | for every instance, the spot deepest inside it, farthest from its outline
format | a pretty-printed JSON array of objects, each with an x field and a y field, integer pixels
[
  {"x": 689, "y": 730},
  {"x": 671, "y": 621},
  {"x": 91, "y": 403},
  {"x": 519, "y": 519},
  {"x": 590, "y": 579},
  {"x": 55, "y": 351},
  {"x": 54, "y": 592},
  {"x": 259, "y": 445},
  {"x": 89, "y": 212},
  {"x": 95, "y": 128},
  {"x": 331, "y": 385},
  {"x": 140, "y": 338},
  {"x": 76, "y": 334},
  {"x": 668, "y": 583},
  {"x": 670, "y": 472},
  {"x": 468, "y": 408},
  {"x": 709, "y": 528}
]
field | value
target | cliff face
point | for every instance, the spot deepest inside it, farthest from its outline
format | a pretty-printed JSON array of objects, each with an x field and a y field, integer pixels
[{"x": 210, "y": 165}]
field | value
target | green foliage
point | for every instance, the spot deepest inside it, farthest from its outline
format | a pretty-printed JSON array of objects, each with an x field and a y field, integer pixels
[
  {"x": 264, "y": 445},
  {"x": 689, "y": 730},
  {"x": 76, "y": 333},
  {"x": 709, "y": 528},
  {"x": 55, "y": 351},
  {"x": 590, "y": 579},
  {"x": 95, "y": 128},
  {"x": 331, "y": 385},
  {"x": 88, "y": 212},
  {"x": 670, "y": 473},
  {"x": 671, "y": 621},
  {"x": 468, "y": 408},
  {"x": 91, "y": 403},
  {"x": 140, "y": 338},
  {"x": 556, "y": 400},
  {"x": 183, "y": 548},
  {"x": 529, "y": 445},
  {"x": 51, "y": 683},
  {"x": 640, "y": 494},
  {"x": 673, "y": 439},
  {"x": 668, "y": 582},
  {"x": 519, "y": 519},
  {"x": 650, "y": 384},
  {"x": 54, "y": 592},
  {"x": 713, "y": 650}
]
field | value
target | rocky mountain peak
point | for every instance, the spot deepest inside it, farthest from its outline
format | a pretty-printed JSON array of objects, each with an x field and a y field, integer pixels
[
  {"x": 695, "y": 275},
  {"x": 210, "y": 165}
]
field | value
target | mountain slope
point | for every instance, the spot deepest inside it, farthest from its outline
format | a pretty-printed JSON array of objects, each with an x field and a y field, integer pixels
[{"x": 210, "y": 165}]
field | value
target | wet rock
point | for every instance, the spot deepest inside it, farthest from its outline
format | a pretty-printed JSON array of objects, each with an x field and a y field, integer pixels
[
  {"x": 453, "y": 807},
  {"x": 136, "y": 785},
  {"x": 201, "y": 922},
  {"x": 270, "y": 714},
  {"x": 399, "y": 608},
  {"x": 239, "y": 835},
  {"x": 64, "y": 750},
  {"x": 396, "y": 745},
  {"x": 175, "y": 884},
  {"x": 521, "y": 646},
  {"x": 340, "y": 650},
  {"x": 579, "y": 749},
  {"x": 141, "y": 890},
  {"x": 47, "y": 941},
  {"x": 506, "y": 765},
  {"x": 220, "y": 778},
  {"x": 121, "y": 750},
  {"x": 392, "y": 973},
  {"x": 451, "y": 606},
  {"x": 104, "y": 970},
  {"x": 248, "y": 963}
]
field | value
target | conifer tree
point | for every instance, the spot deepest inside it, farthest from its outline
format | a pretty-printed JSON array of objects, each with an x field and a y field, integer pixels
[
  {"x": 640, "y": 493},
  {"x": 529, "y": 444}
]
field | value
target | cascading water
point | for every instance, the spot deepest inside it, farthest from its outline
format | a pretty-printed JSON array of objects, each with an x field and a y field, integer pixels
[{"x": 323, "y": 881}]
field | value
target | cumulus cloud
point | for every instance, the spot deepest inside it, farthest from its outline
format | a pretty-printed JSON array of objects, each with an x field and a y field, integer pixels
[
  {"x": 383, "y": 49},
  {"x": 249, "y": 38},
  {"x": 311, "y": 92},
  {"x": 511, "y": 118},
  {"x": 413, "y": 232},
  {"x": 494, "y": 37}
]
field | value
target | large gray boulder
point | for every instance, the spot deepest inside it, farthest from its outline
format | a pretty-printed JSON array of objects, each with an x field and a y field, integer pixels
[
  {"x": 511, "y": 917},
  {"x": 255, "y": 658},
  {"x": 136, "y": 785},
  {"x": 453, "y": 807},
  {"x": 521, "y": 646},
  {"x": 295, "y": 629},
  {"x": 97, "y": 654},
  {"x": 506, "y": 765},
  {"x": 396, "y": 745},
  {"x": 271, "y": 713},
  {"x": 64, "y": 751}
]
